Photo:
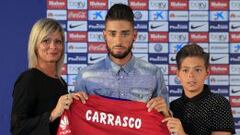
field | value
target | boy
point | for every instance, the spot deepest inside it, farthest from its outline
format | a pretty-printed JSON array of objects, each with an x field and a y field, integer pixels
[{"x": 198, "y": 111}]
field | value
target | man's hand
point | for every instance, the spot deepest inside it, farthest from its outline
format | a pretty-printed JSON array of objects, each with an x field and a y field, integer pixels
[
  {"x": 80, "y": 95},
  {"x": 159, "y": 104}
]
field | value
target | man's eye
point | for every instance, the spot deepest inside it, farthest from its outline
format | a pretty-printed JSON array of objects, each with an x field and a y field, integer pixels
[
  {"x": 112, "y": 34},
  {"x": 125, "y": 33}
]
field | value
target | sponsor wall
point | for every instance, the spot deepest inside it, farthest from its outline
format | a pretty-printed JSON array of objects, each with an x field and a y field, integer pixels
[{"x": 164, "y": 26}]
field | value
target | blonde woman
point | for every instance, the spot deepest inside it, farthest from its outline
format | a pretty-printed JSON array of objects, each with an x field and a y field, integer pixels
[{"x": 40, "y": 94}]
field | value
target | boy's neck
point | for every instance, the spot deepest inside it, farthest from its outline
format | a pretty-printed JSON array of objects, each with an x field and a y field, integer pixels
[{"x": 191, "y": 94}]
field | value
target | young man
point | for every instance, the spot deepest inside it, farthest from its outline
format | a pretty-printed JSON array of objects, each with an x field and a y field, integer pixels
[
  {"x": 120, "y": 74},
  {"x": 198, "y": 111}
]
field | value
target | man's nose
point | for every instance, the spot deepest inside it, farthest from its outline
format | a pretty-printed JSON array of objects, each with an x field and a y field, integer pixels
[{"x": 118, "y": 39}]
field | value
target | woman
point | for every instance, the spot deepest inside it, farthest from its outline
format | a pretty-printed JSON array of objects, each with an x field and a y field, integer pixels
[{"x": 40, "y": 94}]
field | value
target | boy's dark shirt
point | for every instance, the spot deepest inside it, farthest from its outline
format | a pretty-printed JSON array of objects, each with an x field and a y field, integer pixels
[{"x": 204, "y": 113}]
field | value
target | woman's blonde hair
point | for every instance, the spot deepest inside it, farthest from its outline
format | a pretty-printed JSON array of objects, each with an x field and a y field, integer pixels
[{"x": 40, "y": 30}]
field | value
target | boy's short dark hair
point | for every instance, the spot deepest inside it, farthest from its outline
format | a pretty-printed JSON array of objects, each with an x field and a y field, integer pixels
[
  {"x": 120, "y": 12},
  {"x": 192, "y": 50}
]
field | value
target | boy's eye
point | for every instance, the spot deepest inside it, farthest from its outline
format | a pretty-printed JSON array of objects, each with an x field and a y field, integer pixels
[{"x": 198, "y": 70}]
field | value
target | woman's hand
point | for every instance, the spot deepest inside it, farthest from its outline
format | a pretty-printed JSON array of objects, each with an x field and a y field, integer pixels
[{"x": 63, "y": 103}]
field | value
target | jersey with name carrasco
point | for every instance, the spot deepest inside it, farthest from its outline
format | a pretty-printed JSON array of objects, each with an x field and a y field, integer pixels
[{"x": 104, "y": 116}]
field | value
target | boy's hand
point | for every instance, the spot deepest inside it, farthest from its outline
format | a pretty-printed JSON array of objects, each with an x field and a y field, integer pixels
[
  {"x": 159, "y": 104},
  {"x": 174, "y": 126}
]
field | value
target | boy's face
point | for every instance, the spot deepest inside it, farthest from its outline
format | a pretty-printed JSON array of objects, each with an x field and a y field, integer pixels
[
  {"x": 192, "y": 74},
  {"x": 119, "y": 36}
]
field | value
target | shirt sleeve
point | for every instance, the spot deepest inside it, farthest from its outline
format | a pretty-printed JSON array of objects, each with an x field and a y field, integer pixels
[
  {"x": 23, "y": 121},
  {"x": 161, "y": 87},
  {"x": 80, "y": 83},
  {"x": 222, "y": 119}
]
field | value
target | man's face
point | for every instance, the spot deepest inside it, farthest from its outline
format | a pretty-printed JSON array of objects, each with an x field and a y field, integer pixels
[
  {"x": 119, "y": 36},
  {"x": 192, "y": 74}
]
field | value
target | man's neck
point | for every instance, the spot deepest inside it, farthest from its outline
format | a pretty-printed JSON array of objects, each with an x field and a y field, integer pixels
[{"x": 122, "y": 61}]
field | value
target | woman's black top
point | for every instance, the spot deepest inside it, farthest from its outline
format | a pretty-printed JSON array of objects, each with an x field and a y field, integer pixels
[{"x": 35, "y": 95}]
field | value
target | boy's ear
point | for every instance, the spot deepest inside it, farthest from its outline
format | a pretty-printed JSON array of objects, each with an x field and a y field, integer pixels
[
  {"x": 208, "y": 72},
  {"x": 177, "y": 74}
]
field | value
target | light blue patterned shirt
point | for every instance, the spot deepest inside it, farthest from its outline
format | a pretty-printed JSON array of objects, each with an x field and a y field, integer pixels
[{"x": 138, "y": 80}]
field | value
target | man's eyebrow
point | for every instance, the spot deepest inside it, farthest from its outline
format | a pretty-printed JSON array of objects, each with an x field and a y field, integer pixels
[
  {"x": 111, "y": 30},
  {"x": 120, "y": 31},
  {"x": 197, "y": 66},
  {"x": 125, "y": 31}
]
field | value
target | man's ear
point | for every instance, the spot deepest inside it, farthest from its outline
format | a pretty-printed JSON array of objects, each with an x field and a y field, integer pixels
[
  {"x": 134, "y": 35},
  {"x": 104, "y": 34}
]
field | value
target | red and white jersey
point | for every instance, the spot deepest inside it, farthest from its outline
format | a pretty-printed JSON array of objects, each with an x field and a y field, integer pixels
[{"x": 103, "y": 116}]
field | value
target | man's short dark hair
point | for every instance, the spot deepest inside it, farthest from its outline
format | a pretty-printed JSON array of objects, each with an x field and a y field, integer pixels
[
  {"x": 192, "y": 50},
  {"x": 120, "y": 12}
]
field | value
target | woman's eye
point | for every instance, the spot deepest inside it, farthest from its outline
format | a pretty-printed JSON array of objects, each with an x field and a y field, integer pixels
[
  {"x": 59, "y": 42},
  {"x": 46, "y": 41}
]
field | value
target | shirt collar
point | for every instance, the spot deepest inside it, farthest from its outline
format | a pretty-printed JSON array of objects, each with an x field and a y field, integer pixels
[
  {"x": 115, "y": 67},
  {"x": 206, "y": 91}
]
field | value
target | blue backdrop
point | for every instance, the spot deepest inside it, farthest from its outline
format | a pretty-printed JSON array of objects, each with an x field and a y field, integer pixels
[{"x": 17, "y": 18}]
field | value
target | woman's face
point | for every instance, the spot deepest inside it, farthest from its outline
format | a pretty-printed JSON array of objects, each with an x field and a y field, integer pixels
[{"x": 50, "y": 49}]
